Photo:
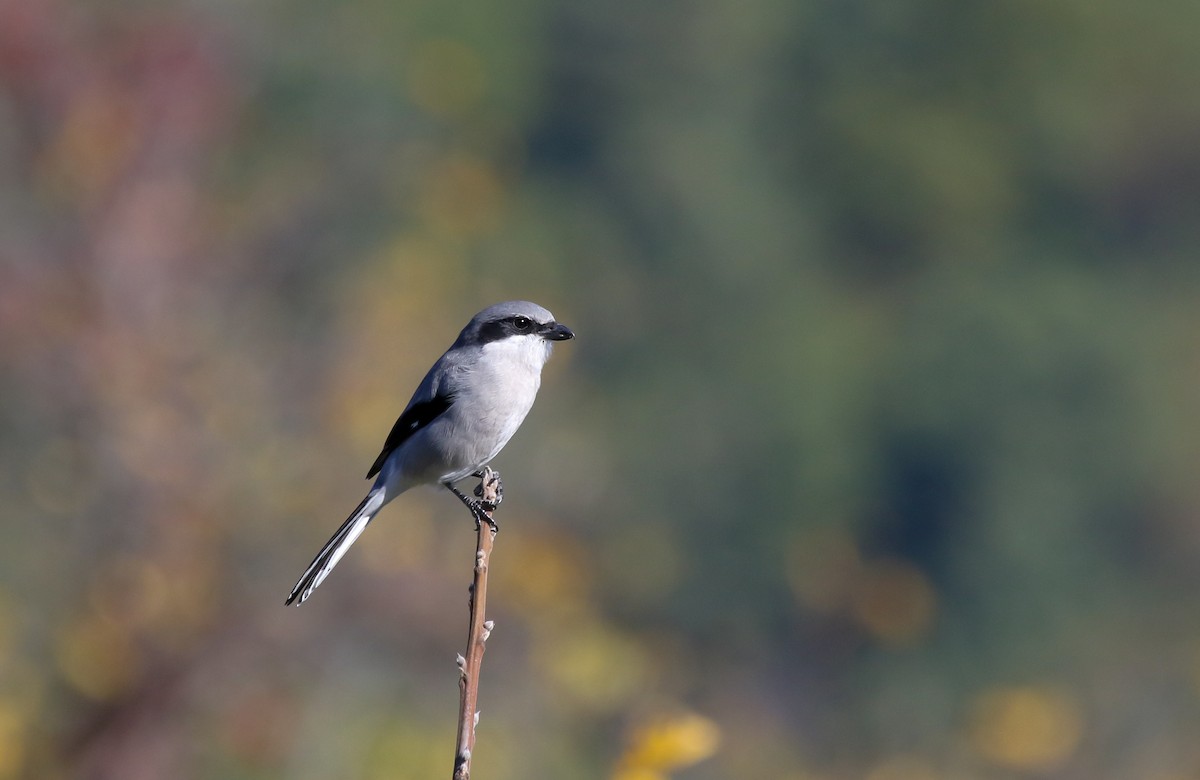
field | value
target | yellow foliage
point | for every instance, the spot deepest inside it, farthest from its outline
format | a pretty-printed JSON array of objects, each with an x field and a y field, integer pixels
[
  {"x": 595, "y": 665},
  {"x": 12, "y": 740},
  {"x": 96, "y": 657},
  {"x": 1026, "y": 727},
  {"x": 667, "y": 744},
  {"x": 545, "y": 575}
]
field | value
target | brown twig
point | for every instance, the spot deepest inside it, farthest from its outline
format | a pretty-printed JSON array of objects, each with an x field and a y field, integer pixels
[{"x": 480, "y": 629}]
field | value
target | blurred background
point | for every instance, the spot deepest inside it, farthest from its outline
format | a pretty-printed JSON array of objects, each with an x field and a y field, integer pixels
[{"x": 875, "y": 457}]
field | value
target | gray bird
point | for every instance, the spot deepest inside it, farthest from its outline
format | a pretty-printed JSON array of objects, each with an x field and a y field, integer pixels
[{"x": 463, "y": 413}]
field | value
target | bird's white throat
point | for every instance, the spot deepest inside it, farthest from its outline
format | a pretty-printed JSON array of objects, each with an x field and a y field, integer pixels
[{"x": 528, "y": 352}]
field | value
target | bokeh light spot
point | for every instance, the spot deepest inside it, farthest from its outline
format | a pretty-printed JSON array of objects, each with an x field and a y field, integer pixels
[
  {"x": 895, "y": 602},
  {"x": 12, "y": 740},
  {"x": 593, "y": 665},
  {"x": 1026, "y": 727},
  {"x": 96, "y": 657},
  {"x": 666, "y": 744}
]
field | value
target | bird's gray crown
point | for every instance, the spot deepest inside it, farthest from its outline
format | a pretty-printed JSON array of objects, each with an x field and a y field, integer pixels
[{"x": 511, "y": 318}]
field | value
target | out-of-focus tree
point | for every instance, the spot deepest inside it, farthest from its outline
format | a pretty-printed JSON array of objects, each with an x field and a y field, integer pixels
[{"x": 875, "y": 456}]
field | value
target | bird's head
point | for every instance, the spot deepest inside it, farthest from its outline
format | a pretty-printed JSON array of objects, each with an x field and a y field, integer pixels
[{"x": 513, "y": 320}]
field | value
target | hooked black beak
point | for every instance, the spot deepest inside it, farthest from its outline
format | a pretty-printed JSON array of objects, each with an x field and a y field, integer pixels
[{"x": 558, "y": 332}]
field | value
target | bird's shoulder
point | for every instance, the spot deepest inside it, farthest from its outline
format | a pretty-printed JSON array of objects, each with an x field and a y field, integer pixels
[{"x": 433, "y": 398}]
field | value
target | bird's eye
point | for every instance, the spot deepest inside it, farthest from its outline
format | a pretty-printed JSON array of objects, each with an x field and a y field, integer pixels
[{"x": 522, "y": 323}]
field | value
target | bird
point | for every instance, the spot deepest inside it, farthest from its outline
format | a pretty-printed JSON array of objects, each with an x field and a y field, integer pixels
[{"x": 462, "y": 414}]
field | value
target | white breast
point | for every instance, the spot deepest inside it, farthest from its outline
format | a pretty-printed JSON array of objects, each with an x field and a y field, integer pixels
[{"x": 493, "y": 404}]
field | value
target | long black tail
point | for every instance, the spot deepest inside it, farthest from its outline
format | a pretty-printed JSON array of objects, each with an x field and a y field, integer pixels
[{"x": 336, "y": 547}]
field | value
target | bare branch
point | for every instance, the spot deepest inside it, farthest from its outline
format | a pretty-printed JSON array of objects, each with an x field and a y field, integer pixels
[{"x": 480, "y": 628}]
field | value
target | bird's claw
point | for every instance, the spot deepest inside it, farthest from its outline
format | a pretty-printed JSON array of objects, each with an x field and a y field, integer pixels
[
  {"x": 499, "y": 488},
  {"x": 480, "y": 508},
  {"x": 491, "y": 524}
]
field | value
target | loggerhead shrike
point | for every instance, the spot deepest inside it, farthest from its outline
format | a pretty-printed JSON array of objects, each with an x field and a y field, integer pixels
[{"x": 463, "y": 413}]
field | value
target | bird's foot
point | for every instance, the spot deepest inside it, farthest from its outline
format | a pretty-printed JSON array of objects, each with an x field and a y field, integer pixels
[
  {"x": 486, "y": 518},
  {"x": 491, "y": 479},
  {"x": 479, "y": 509}
]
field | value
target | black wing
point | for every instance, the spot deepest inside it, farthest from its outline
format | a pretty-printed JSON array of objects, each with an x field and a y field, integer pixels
[{"x": 414, "y": 419}]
